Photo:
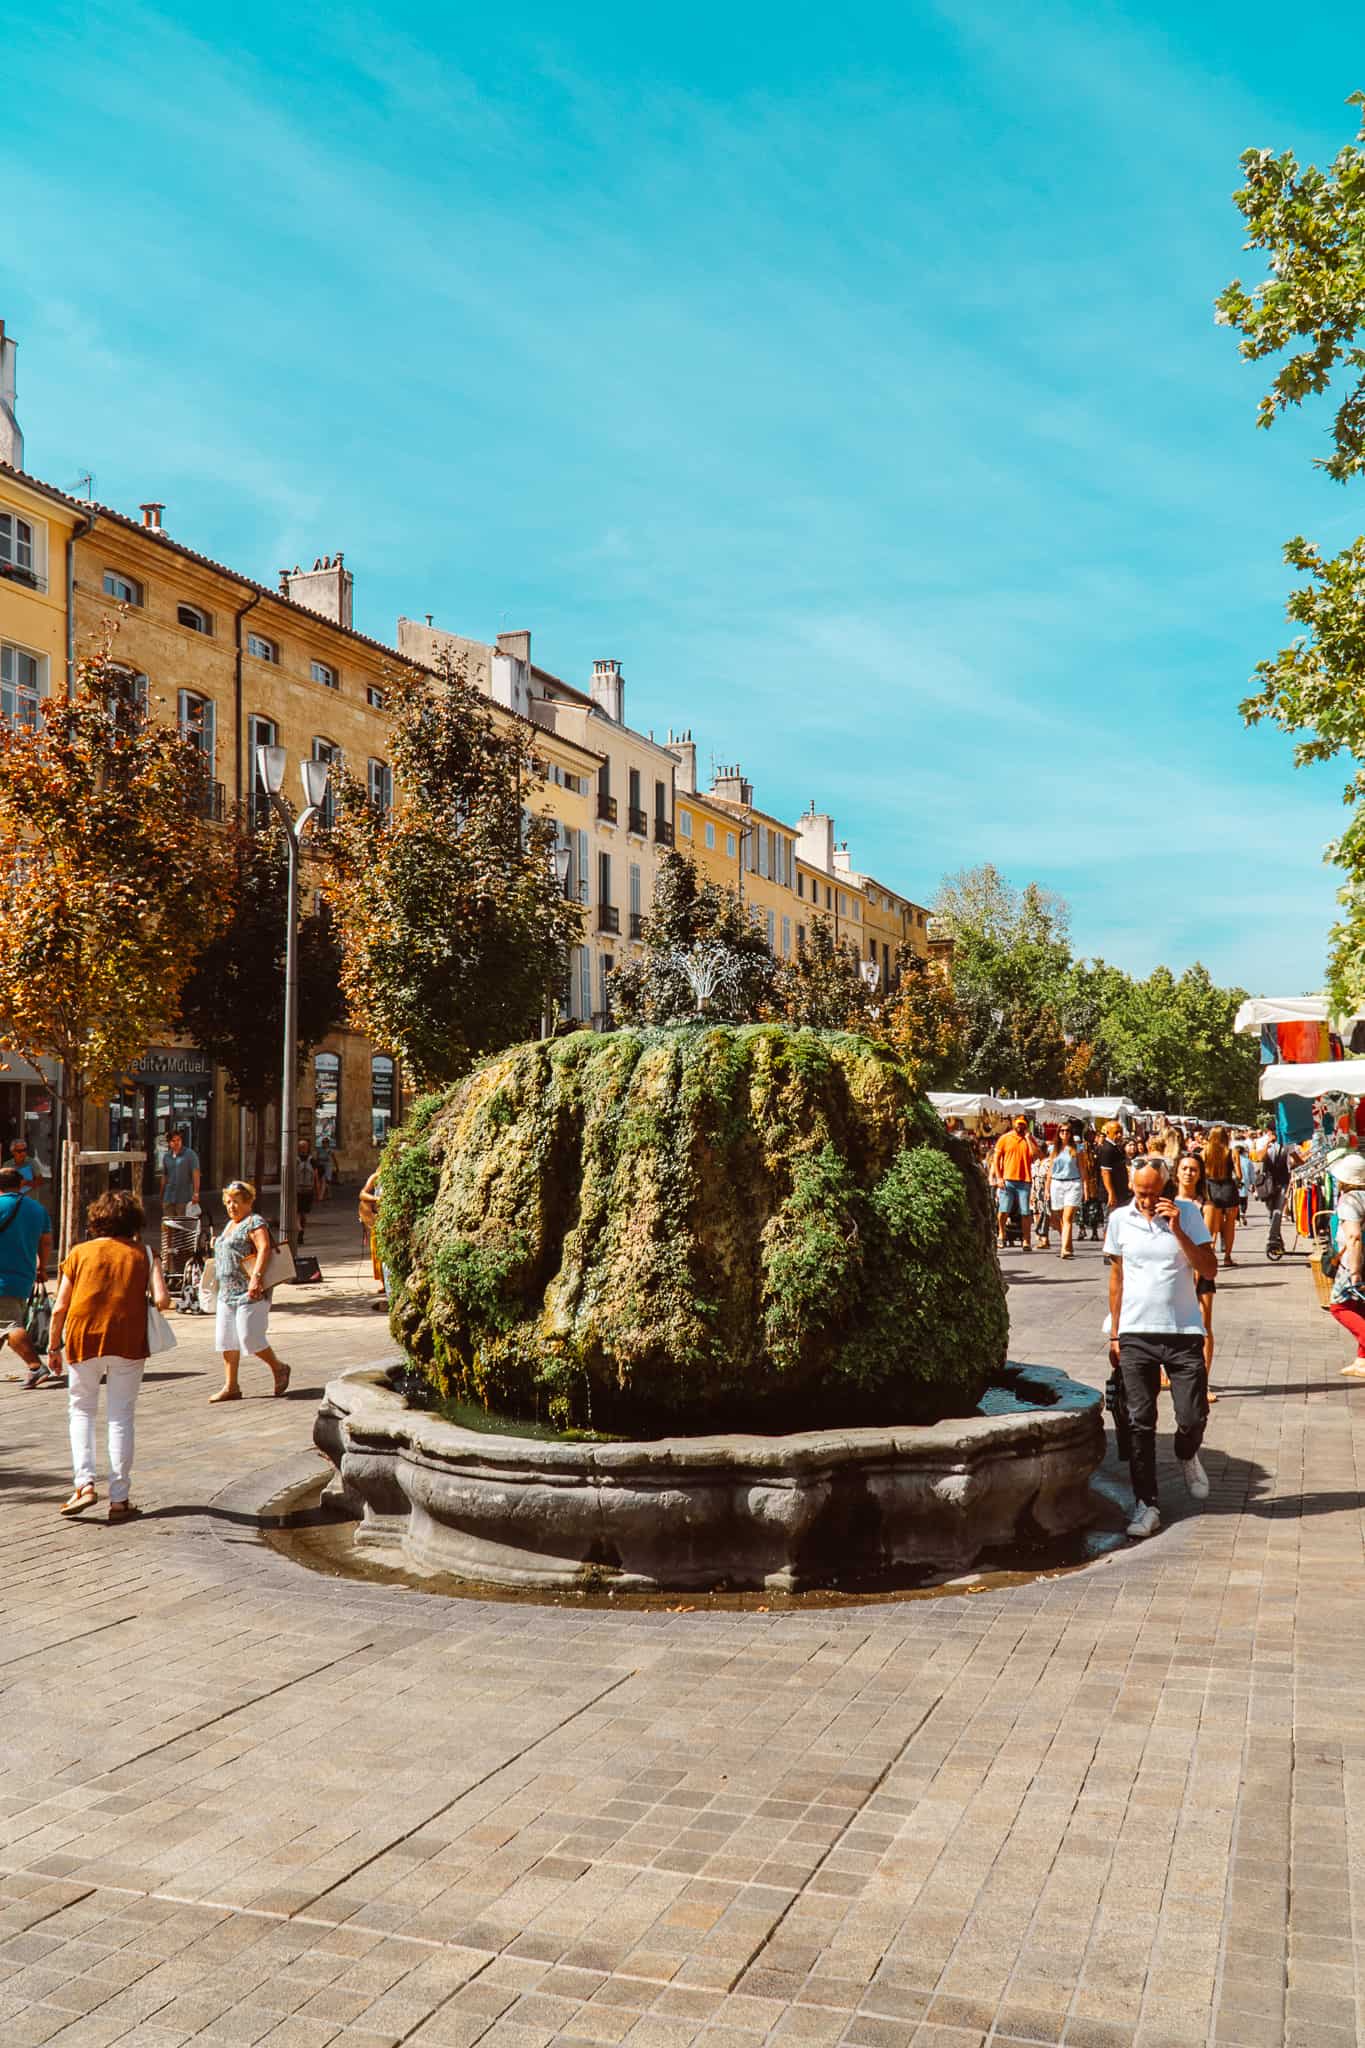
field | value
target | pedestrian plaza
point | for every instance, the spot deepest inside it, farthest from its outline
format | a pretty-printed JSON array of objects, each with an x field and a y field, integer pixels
[{"x": 1119, "y": 1807}]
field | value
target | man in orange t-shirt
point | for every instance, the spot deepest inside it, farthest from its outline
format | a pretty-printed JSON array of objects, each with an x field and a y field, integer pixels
[{"x": 1015, "y": 1153}]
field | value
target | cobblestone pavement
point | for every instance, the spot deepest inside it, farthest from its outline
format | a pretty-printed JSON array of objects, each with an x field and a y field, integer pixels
[{"x": 1122, "y": 1808}]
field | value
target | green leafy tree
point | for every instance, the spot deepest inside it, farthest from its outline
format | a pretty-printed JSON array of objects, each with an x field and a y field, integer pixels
[
  {"x": 454, "y": 929},
  {"x": 112, "y": 881},
  {"x": 822, "y": 984},
  {"x": 924, "y": 1023},
  {"x": 1011, "y": 957},
  {"x": 699, "y": 923},
  {"x": 232, "y": 1004},
  {"x": 1309, "y": 313}
]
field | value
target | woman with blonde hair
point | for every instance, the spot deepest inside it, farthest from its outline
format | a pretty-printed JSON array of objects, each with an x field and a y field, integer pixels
[
  {"x": 1222, "y": 1190},
  {"x": 240, "y": 1257}
]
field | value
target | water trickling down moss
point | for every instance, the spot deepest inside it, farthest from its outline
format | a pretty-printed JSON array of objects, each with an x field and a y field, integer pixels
[{"x": 691, "y": 1229}]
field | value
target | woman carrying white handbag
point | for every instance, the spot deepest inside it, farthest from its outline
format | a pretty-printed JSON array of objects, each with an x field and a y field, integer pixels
[
  {"x": 247, "y": 1264},
  {"x": 105, "y": 1324}
]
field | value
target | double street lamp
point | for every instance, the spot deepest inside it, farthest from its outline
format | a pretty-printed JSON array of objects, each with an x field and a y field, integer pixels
[{"x": 271, "y": 763}]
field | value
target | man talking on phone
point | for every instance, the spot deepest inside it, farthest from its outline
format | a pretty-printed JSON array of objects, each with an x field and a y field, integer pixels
[{"x": 1157, "y": 1247}]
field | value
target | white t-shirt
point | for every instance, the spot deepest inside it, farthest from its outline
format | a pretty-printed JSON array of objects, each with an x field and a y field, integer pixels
[{"x": 1158, "y": 1280}]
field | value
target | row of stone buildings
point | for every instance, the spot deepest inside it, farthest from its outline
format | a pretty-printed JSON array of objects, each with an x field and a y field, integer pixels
[{"x": 237, "y": 663}]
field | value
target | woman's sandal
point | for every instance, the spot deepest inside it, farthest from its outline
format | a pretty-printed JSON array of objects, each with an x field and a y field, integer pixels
[
  {"x": 122, "y": 1511},
  {"x": 84, "y": 1497},
  {"x": 281, "y": 1383},
  {"x": 226, "y": 1394}
]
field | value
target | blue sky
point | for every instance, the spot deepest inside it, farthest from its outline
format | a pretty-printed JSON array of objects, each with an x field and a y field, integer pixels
[{"x": 850, "y": 376}]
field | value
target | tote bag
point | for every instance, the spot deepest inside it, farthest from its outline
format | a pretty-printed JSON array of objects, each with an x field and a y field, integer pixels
[{"x": 160, "y": 1335}]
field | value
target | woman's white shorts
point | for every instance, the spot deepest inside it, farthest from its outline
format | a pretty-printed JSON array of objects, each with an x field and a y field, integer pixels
[
  {"x": 242, "y": 1328},
  {"x": 1066, "y": 1194}
]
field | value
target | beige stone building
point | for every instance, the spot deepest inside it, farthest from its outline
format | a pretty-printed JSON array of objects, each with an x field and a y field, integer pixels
[{"x": 616, "y": 845}]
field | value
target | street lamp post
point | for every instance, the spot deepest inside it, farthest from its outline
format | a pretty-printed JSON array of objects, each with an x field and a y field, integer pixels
[
  {"x": 559, "y": 868},
  {"x": 271, "y": 763}
]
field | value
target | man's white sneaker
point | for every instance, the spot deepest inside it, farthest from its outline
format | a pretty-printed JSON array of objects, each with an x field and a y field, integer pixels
[
  {"x": 1146, "y": 1521},
  {"x": 1196, "y": 1478}
]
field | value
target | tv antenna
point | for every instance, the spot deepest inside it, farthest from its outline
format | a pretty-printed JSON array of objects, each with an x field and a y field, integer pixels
[{"x": 85, "y": 486}]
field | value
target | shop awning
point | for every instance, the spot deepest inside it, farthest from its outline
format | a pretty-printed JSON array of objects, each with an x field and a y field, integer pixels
[{"x": 1313, "y": 1078}]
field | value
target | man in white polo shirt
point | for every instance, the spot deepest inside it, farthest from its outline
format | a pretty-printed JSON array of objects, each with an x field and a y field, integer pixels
[{"x": 1156, "y": 1247}]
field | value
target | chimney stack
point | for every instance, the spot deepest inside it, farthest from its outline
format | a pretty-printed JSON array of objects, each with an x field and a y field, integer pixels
[
  {"x": 151, "y": 516},
  {"x": 327, "y": 588},
  {"x": 11, "y": 440},
  {"x": 815, "y": 839},
  {"x": 608, "y": 690},
  {"x": 684, "y": 748},
  {"x": 518, "y": 645},
  {"x": 731, "y": 785}
]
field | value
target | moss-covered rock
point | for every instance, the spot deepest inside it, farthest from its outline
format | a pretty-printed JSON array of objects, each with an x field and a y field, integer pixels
[{"x": 690, "y": 1229}]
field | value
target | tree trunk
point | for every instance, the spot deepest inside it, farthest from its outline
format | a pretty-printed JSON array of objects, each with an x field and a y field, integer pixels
[{"x": 73, "y": 1123}]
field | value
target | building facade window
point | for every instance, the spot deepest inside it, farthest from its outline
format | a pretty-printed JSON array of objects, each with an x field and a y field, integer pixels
[
  {"x": 710, "y": 833},
  {"x": 374, "y": 697},
  {"x": 636, "y": 914},
  {"x": 23, "y": 685},
  {"x": 786, "y": 938},
  {"x": 584, "y": 983},
  {"x": 263, "y": 649},
  {"x": 731, "y": 845},
  {"x": 800, "y": 885},
  {"x": 326, "y": 1098},
  {"x": 18, "y": 545},
  {"x": 327, "y": 750},
  {"x": 190, "y": 615},
  {"x": 685, "y": 824},
  {"x": 381, "y": 1097},
  {"x": 772, "y": 931},
  {"x": 260, "y": 732},
  {"x": 121, "y": 588},
  {"x": 381, "y": 786},
  {"x": 323, "y": 672},
  {"x": 196, "y": 719}
]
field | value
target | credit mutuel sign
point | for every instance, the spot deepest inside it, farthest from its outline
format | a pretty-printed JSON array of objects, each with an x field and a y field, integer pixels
[{"x": 172, "y": 1063}]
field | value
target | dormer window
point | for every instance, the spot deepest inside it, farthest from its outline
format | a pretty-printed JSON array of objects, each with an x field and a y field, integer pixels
[{"x": 191, "y": 616}]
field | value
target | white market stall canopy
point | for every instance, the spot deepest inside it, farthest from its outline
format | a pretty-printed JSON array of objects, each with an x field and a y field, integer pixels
[
  {"x": 968, "y": 1105},
  {"x": 1104, "y": 1108},
  {"x": 1259, "y": 1010},
  {"x": 1312, "y": 1078}
]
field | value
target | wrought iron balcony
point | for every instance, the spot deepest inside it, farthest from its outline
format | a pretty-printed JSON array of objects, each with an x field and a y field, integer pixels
[
  {"x": 211, "y": 801},
  {"x": 637, "y": 924},
  {"x": 606, "y": 807},
  {"x": 663, "y": 832},
  {"x": 637, "y": 822},
  {"x": 608, "y": 918}
]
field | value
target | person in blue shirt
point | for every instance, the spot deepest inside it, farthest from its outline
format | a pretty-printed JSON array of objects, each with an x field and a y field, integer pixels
[{"x": 25, "y": 1248}]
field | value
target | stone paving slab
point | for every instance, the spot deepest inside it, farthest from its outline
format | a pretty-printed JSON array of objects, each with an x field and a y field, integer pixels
[{"x": 1120, "y": 1808}]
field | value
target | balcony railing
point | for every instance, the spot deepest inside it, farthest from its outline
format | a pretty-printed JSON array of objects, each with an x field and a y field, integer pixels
[
  {"x": 606, "y": 807},
  {"x": 638, "y": 822},
  {"x": 608, "y": 918},
  {"x": 637, "y": 924},
  {"x": 20, "y": 572},
  {"x": 663, "y": 832},
  {"x": 211, "y": 801}
]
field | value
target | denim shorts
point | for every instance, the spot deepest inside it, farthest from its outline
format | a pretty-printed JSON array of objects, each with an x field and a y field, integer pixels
[{"x": 1013, "y": 1198}]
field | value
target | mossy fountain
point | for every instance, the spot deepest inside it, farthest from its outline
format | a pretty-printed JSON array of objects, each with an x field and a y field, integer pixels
[{"x": 748, "y": 1282}]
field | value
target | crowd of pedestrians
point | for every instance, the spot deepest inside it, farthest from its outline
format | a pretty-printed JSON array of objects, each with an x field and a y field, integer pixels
[{"x": 1166, "y": 1204}]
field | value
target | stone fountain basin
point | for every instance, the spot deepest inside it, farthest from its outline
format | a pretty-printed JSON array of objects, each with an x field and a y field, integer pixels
[{"x": 787, "y": 1513}]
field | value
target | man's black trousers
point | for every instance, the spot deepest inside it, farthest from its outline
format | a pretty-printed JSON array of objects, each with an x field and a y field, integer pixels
[{"x": 1142, "y": 1360}]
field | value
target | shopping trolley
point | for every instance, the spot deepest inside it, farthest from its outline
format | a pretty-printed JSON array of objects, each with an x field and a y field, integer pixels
[{"x": 186, "y": 1248}]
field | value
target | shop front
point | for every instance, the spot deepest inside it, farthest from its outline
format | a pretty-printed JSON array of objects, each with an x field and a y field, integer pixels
[
  {"x": 170, "y": 1089},
  {"x": 29, "y": 1110}
]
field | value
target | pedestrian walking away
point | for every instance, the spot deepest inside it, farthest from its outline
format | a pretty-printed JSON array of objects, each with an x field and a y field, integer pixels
[
  {"x": 179, "y": 1176},
  {"x": 1157, "y": 1248},
  {"x": 1223, "y": 1199},
  {"x": 309, "y": 1186},
  {"x": 1064, "y": 1192},
  {"x": 25, "y": 1248},
  {"x": 100, "y": 1323},
  {"x": 1346, "y": 1304},
  {"x": 240, "y": 1257},
  {"x": 1012, "y": 1161},
  {"x": 1113, "y": 1164}
]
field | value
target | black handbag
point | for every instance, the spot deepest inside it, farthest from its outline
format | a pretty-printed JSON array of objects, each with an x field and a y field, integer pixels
[{"x": 38, "y": 1318}]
